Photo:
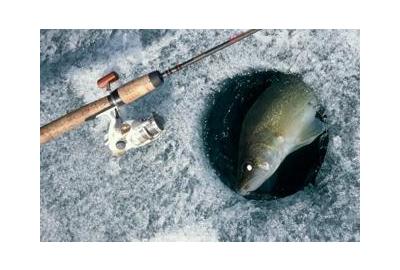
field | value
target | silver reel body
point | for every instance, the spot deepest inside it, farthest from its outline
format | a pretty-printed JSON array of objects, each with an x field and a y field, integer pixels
[
  {"x": 122, "y": 136},
  {"x": 125, "y": 135}
]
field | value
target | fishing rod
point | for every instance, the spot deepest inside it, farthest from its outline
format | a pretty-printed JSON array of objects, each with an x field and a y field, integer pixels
[{"x": 123, "y": 95}]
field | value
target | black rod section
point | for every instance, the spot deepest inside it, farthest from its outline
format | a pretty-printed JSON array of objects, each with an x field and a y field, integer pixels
[{"x": 209, "y": 52}]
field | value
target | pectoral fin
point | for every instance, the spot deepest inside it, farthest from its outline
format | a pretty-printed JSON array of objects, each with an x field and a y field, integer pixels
[{"x": 309, "y": 134}]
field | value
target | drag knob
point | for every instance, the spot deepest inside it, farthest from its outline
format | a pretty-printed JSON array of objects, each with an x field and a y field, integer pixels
[{"x": 106, "y": 80}]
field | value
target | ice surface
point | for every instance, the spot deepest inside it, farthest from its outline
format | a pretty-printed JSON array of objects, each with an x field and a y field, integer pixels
[{"x": 167, "y": 191}]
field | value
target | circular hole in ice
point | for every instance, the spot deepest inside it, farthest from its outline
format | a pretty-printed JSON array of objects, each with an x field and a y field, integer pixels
[{"x": 221, "y": 135}]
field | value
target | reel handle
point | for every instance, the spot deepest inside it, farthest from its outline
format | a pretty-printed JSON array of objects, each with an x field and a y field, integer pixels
[{"x": 105, "y": 81}]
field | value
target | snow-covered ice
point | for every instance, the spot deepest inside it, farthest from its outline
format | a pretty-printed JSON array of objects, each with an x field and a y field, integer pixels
[{"x": 167, "y": 190}]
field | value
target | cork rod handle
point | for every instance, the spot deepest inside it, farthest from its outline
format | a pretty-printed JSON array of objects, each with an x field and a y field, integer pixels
[
  {"x": 139, "y": 87},
  {"x": 72, "y": 119}
]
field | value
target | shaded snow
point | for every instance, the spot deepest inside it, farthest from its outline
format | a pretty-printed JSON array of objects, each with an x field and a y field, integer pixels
[{"x": 167, "y": 191}]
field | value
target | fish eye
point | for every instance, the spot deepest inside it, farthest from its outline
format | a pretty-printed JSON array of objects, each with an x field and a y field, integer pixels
[{"x": 247, "y": 166}]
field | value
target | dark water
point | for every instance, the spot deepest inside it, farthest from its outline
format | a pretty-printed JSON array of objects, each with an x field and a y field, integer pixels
[{"x": 221, "y": 134}]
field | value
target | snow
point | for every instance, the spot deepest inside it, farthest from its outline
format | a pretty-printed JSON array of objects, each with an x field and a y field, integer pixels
[{"x": 167, "y": 191}]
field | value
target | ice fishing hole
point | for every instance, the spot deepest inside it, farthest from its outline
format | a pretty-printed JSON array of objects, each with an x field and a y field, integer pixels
[{"x": 221, "y": 133}]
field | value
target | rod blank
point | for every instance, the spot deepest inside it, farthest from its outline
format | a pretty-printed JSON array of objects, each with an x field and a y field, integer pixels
[{"x": 209, "y": 52}]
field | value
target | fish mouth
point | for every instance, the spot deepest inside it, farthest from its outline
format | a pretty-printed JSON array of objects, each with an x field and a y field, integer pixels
[
  {"x": 252, "y": 183},
  {"x": 243, "y": 191},
  {"x": 245, "y": 188}
]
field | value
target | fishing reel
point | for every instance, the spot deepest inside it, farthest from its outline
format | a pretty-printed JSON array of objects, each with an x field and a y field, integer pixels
[{"x": 125, "y": 135}]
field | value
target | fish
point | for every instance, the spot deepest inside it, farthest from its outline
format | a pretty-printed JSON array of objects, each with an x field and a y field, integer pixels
[{"x": 281, "y": 121}]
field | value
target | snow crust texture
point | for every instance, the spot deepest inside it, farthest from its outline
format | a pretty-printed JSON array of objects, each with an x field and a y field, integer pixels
[{"x": 167, "y": 190}]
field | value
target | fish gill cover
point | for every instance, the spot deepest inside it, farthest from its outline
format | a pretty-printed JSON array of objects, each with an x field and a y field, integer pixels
[{"x": 167, "y": 190}]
